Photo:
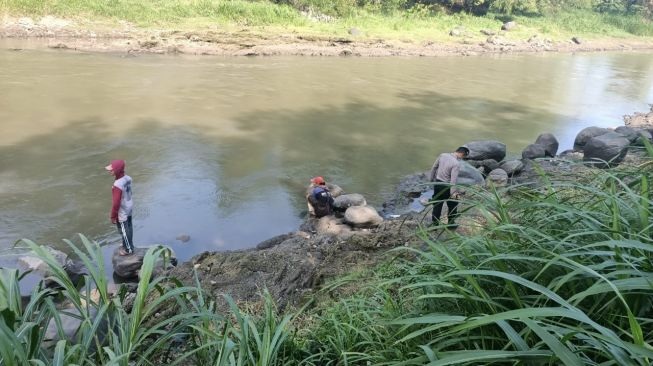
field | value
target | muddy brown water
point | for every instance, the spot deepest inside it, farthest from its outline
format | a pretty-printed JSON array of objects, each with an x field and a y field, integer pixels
[{"x": 221, "y": 148}]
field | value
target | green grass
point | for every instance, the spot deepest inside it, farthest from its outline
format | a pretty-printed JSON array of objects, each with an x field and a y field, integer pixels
[{"x": 417, "y": 24}]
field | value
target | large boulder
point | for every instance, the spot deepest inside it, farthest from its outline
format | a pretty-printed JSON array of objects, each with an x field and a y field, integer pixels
[
  {"x": 512, "y": 167},
  {"x": 486, "y": 149},
  {"x": 330, "y": 225},
  {"x": 587, "y": 134},
  {"x": 341, "y": 203},
  {"x": 33, "y": 262},
  {"x": 335, "y": 190},
  {"x": 533, "y": 151},
  {"x": 634, "y": 135},
  {"x": 605, "y": 150},
  {"x": 469, "y": 176},
  {"x": 487, "y": 164},
  {"x": 129, "y": 266},
  {"x": 362, "y": 216},
  {"x": 497, "y": 177},
  {"x": 549, "y": 142}
]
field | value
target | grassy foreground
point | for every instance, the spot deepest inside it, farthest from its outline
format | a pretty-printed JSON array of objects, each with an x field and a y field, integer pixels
[
  {"x": 557, "y": 274},
  {"x": 328, "y": 18}
]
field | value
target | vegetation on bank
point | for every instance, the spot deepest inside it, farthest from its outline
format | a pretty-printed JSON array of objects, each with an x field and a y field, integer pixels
[
  {"x": 394, "y": 19},
  {"x": 559, "y": 273}
]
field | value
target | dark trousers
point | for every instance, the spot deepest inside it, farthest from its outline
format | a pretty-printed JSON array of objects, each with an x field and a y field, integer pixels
[
  {"x": 127, "y": 233},
  {"x": 442, "y": 194}
]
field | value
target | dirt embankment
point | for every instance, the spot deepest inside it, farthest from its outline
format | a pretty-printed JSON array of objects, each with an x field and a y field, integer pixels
[{"x": 125, "y": 38}]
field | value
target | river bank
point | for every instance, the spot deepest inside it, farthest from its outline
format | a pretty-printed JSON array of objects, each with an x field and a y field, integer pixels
[{"x": 126, "y": 38}]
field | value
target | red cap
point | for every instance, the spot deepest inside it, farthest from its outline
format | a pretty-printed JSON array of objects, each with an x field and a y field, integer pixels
[{"x": 318, "y": 180}]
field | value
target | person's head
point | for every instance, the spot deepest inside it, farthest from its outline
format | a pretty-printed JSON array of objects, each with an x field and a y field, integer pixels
[
  {"x": 318, "y": 181},
  {"x": 116, "y": 168},
  {"x": 462, "y": 152}
]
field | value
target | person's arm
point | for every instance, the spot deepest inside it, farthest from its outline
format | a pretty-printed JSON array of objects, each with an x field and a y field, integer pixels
[
  {"x": 454, "y": 179},
  {"x": 434, "y": 170},
  {"x": 115, "y": 205}
]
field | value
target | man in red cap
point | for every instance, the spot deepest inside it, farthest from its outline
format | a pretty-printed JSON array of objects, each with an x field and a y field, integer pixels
[
  {"x": 320, "y": 202},
  {"x": 122, "y": 204}
]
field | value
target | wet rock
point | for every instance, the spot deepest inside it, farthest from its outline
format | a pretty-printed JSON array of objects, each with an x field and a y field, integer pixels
[
  {"x": 498, "y": 177},
  {"x": 586, "y": 134},
  {"x": 606, "y": 150},
  {"x": 341, "y": 203},
  {"x": 486, "y": 149},
  {"x": 533, "y": 151},
  {"x": 184, "y": 238},
  {"x": 469, "y": 176},
  {"x": 274, "y": 241},
  {"x": 345, "y": 52},
  {"x": 549, "y": 142},
  {"x": 576, "y": 40},
  {"x": 362, "y": 217},
  {"x": 512, "y": 167},
  {"x": 508, "y": 26}
]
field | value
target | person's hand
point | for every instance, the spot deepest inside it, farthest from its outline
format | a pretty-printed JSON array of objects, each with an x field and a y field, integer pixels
[{"x": 114, "y": 221}]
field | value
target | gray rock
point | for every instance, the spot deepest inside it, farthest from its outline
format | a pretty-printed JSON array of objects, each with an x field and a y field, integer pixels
[
  {"x": 335, "y": 190},
  {"x": 498, "y": 177},
  {"x": 32, "y": 262},
  {"x": 128, "y": 266},
  {"x": 586, "y": 134},
  {"x": 606, "y": 150},
  {"x": 486, "y": 149},
  {"x": 457, "y": 32},
  {"x": 508, "y": 26},
  {"x": 469, "y": 176},
  {"x": 69, "y": 326},
  {"x": 274, "y": 241},
  {"x": 533, "y": 151},
  {"x": 487, "y": 164},
  {"x": 362, "y": 216},
  {"x": 341, "y": 203},
  {"x": 571, "y": 155},
  {"x": 184, "y": 238},
  {"x": 330, "y": 225},
  {"x": 634, "y": 135},
  {"x": 355, "y": 32},
  {"x": 550, "y": 144},
  {"x": 488, "y": 32},
  {"x": 512, "y": 167}
]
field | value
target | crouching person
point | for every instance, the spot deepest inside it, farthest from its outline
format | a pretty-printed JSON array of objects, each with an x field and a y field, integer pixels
[{"x": 319, "y": 199}]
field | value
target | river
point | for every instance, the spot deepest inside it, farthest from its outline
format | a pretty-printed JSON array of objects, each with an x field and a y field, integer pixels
[{"x": 221, "y": 148}]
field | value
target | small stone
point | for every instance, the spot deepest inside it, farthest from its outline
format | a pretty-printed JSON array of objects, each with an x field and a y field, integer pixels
[
  {"x": 508, "y": 26},
  {"x": 488, "y": 32},
  {"x": 345, "y": 52},
  {"x": 576, "y": 40},
  {"x": 184, "y": 238},
  {"x": 355, "y": 32},
  {"x": 213, "y": 283}
]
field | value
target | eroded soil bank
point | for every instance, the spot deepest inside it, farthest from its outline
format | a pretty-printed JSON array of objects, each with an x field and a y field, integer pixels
[{"x": 50, "y": 32}]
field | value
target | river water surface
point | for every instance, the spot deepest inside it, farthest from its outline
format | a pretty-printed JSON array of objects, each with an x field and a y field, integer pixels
[{"x": 221, "y": 148}]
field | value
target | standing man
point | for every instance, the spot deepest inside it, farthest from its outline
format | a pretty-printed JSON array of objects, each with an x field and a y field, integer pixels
[
  {"x": 121, "y": 208},
  {"x": 445, "y": 175}
]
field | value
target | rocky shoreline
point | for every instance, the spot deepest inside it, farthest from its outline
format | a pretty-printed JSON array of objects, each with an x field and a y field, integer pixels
[
  {"x": 294, "y": 265},
  {"x": 125, "y": 38}
]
